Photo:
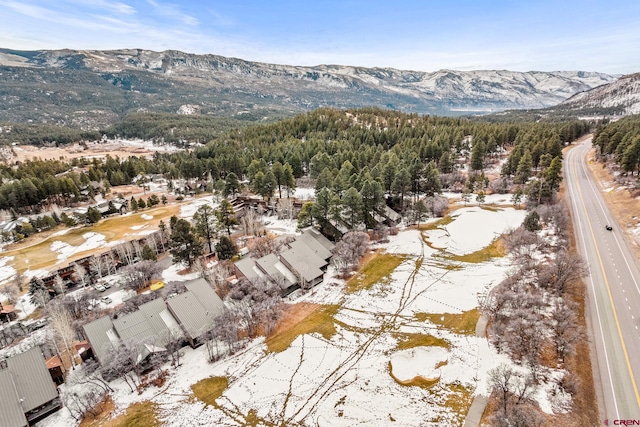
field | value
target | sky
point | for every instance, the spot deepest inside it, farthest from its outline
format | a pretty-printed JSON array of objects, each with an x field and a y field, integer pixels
[{"x": 421, "y": 35}]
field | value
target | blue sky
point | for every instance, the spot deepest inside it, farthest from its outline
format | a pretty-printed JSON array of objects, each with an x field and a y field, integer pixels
[{"x": 425, "y": 35}]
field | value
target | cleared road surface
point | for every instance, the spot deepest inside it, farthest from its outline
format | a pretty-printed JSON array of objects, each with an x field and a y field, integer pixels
[{"x": 613, "y": 301}]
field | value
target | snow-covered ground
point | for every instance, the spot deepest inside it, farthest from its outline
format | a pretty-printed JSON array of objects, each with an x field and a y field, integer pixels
[
  {"x": 65, "y": 250},
  {"x": 6, "y": 271},
  {"x": 345, "y": 379}
]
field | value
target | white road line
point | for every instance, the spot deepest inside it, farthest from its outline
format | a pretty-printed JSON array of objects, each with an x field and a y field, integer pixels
[{"x": 593, "y": 290}]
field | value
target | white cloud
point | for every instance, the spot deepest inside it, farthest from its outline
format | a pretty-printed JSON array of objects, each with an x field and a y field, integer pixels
[{"x": 171, "y": 10}]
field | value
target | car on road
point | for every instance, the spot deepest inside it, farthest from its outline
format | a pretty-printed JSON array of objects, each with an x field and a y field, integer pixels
[
  {"x": 98, "y": 287},
  {"x": 608, "y": 227},
  {"x": 106, "y": 300}
]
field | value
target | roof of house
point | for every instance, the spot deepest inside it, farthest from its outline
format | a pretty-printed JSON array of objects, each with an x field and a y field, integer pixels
[
  {"x": 133, "y": 327},
  {"x": 11, "y": 414},
  {"x": 316, "y": 234},
  {"x": 97, "y": 334},
  {"x": 53, "y": 362},
  {"x": 206, "y": 296},
  {"x": 277, "y": 272},
  {"x": 304, "y": 261},
  {"x": 160, "y": 320},
  {"x": 314, "y": 245},
  {"x": 245, "y": 266},
  {"x": 32, "y": 379},
  {"x": 190, "y": 313}
]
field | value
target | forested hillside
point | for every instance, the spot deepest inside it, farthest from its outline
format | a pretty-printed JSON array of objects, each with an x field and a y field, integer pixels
[
  {"x": 358, "y": 158},
  {"x": 620, "y": 142}
]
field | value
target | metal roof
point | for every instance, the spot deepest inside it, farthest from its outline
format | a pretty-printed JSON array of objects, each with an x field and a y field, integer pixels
[
  {"x": 316, "y": 234},
  {"x": 151, "y": 311},
  {"x": 245, "y": 266},
  {"x": 96, "y": 333},
  {"x": 277, "y": 271},
  {"x": 11, "y": 414},
  {"x": 133, "y": 327},
  {"x": 190, "y": 314},
  {"x": 304, "y": 261},
  {"x": 314, "y": 245},
  {"x": 206, "y": 296},
  {"x": 32, "y": 379}
]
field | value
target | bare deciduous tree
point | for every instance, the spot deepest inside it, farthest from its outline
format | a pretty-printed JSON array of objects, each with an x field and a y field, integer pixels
[
  {"x": 567, "y": 267},
  {"x": 564, "y": 329},
  {"x": 80, "y": 274},
  {"x": 349, "y": 250},
  {"x": 262, "y": 246},
  {"x": 137, "y": 276},
  {"x": 61, "y": 322}
]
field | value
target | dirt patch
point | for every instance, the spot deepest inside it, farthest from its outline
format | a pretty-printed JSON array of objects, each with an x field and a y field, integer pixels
[
  {"x": 418, "y": 381},
  {"x": 108, "y": 408}
]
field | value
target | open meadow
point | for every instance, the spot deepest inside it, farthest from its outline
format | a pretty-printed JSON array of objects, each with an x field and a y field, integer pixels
[{"x": 394, "y": 343}]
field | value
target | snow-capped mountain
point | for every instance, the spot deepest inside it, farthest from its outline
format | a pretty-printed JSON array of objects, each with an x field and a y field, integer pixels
[
  {"x": 128, "y": 80},
  {"x": 620, "y": 97}
]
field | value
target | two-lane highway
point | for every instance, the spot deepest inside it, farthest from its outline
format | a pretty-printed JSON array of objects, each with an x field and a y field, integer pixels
[{"x": 613, "y": 292}]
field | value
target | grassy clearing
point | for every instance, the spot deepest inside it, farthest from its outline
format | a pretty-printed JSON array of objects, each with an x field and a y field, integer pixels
[
  {"x": 458, "y": 400},
  {"x": 495, "y": 250},
  {"x": 435, "y": 225},
  {"x": 463, "y": 323},
  {"x": 376, "y": 269},
  {"x": 209, "y": 389},
  {"x": 444, "y": 265},
  {"x": 137, "y": 414},
  {"x": 37, "y": 254},
  {"x": 407, "y": 341},
  {"x": 318, "y": 319}
]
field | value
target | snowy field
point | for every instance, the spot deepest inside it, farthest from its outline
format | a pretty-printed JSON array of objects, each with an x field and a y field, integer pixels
[{"x": 347, "y": 380}]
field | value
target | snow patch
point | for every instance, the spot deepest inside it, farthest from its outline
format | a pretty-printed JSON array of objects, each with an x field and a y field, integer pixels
[
  {"x": 92, "y": 241},
  {"x": 418, "y": 362}
]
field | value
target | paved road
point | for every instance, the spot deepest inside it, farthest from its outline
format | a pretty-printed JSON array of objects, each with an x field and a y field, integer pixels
[{"x": 613, "y": 301}]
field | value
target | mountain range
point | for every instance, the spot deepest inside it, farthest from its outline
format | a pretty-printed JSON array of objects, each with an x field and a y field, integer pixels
[
  {"x": 93, "y": 88},
  {"x": 621, "y": 97}
]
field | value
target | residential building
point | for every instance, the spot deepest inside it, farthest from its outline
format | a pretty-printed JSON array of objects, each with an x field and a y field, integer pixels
[{"x": 27, "y": 392}]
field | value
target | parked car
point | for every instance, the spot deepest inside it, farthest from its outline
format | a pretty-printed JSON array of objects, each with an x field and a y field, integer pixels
[
  {"x": 98, "y": 287},
  {"x": 106, "y": 300},
  {"x": 106, "y": 285}
]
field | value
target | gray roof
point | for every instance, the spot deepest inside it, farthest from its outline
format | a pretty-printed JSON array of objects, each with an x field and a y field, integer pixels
[
  {"x": 96, "y": 333},
  {"x": 304, "y": 261},
  {"x": 314, "y": 244},
  {"x": 11, "y": 414},
  {"x": 160, "y": 319},
  {"x": 268, "y": 265},
  {"x": 190, "y": 314},
  {"x": 321, "y": 238},
  {"x": 245, "y": 266},
  {"x": 206, "y": 296},
  {"x": 391, "y": 214},
  {"x": 133, "y": 327},
  {"x": 32, "y": 379}
]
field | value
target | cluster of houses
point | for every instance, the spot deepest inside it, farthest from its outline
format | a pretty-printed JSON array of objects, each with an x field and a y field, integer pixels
[
  {"x": 185, "y": 317},
  {"x": 28, "y": 389},
  {"x": 302, "y": 264}
]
